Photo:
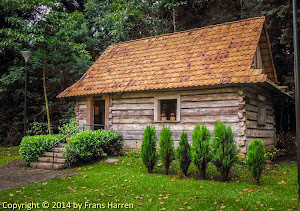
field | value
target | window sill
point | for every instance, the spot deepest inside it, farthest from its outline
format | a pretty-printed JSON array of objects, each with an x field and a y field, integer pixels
[{"x": 166, "y": 121}]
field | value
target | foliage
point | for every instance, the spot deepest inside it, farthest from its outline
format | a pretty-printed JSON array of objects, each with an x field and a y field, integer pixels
[
  {"x": 274, "y": 153},
  {"x": 166, "y": 147},
  {"x": 200, "y": 148},
  {"x": 69, "y": 127},
  {"x": 38, "y": 128},
  {"x": 286, "y": 142},
  {"x": 148, "y": 150},
  {"x": 133, "y": 154},
  {"x": 223, "y": 149},
  {"x": 184, "y": 153},
  {"x": 33, "y": 147},
  {"x": 88, "y": 145},
  {"x": 256, "y": 159}
]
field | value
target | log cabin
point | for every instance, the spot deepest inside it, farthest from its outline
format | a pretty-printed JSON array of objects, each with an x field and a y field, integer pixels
[{"x": 222, "y": 72}]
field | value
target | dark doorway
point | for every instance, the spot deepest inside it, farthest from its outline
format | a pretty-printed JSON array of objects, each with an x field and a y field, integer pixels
[{"x": 99, "y": 114}]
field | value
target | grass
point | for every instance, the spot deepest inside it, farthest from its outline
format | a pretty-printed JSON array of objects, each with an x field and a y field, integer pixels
[
  {"x": 8, "y": 154},
  {"x": 128, "y": 182}
]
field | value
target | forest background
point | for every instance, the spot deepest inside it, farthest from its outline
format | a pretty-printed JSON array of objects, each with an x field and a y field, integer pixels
[{"x": 67, "y": 36}]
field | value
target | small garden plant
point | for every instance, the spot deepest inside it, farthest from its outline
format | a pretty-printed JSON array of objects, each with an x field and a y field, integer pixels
[
  {"x": 166, "y": 147},
  {"x": 148, "y": 151},
  {"x": 184, "y": 153},
  {"x": 223, "y": 150},
  {"x": 256, "y": 159},
  {"x": 201, "y": 141}
]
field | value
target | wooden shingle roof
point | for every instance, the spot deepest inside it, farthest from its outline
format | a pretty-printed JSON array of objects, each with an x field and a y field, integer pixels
[{"x": 217, "y": 54}]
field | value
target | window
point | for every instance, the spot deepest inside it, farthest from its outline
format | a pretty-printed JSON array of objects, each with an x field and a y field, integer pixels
[
  {"x": 167, "y": 108},
  {"x": 262, "y": 110}
]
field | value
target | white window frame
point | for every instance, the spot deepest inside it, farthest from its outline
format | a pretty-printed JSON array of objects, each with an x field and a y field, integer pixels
[{"x": 166, "y": 96}]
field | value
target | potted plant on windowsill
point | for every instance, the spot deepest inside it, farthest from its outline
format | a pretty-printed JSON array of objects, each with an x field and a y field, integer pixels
[
  {"x": 163, "y": 117},
  {"x": 172, "y": 118}
]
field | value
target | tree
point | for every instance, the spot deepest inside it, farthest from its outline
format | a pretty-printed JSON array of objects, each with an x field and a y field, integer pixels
[
  {"x": 184, "y": 153},
  {"x": 166, "y": 148},
  {"x": 148, "y": 151}
]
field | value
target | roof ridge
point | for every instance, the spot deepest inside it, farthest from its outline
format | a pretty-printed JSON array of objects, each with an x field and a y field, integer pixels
[{"x": 188, "y": 30}]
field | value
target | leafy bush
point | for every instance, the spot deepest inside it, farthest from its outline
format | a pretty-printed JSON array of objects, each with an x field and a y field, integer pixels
[
  {"x": 89, "y": 144},
  {"x": 201, "y": 142},
  {"x": 184, "y": 153},
  {"x": 287, "y": 143},
  {"x": 223, "y": 149},
  {"x": 38, "y": 128},
  {"x": 133, "y": 154},
  {"x": 148, "y": 151},
  {"x": 33, "y": 147},
  {"x": 274, "y": 153},
  {"x": 256, "y": 159},
  {"x": 69, "y": 127},
  {"x": 166, "y": 147}
]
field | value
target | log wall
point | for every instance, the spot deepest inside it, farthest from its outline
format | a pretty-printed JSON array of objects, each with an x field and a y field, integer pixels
[
  {"x": 130, "y": 113},
  {"x": 254, "y": 131}
]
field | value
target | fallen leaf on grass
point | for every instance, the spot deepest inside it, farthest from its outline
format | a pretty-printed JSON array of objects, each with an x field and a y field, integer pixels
[
  {"x": 238, "y": 200},
  {"x": 150, "y": 200},
  {"x": 282, "y": 183},
  {"x": 223, "y": 207},
  {"x": 163, "y": 208},
  {"x": 11, "y": 195},
  {"x": 185, "y": 203},
  {"x": 215, "y": 202},
  {"x": 189, "y": 208},
  {"x": 161, "y": 202}
]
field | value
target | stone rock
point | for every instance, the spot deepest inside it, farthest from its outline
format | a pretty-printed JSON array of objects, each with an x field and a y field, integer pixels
[{"x": 112, "y": 160}]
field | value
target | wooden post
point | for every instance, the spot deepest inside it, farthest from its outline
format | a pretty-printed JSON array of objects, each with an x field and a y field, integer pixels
[
  {"x": 46, "y": 100},
  {"x": 106, "y": 98},
  {"x": 89, "y": 112}
]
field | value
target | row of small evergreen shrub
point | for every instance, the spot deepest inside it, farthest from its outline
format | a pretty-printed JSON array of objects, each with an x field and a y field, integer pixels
[{"x": 221, "y": 150}]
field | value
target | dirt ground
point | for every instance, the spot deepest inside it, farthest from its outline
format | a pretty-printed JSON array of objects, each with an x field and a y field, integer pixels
[{"x": 17, "y": 173}]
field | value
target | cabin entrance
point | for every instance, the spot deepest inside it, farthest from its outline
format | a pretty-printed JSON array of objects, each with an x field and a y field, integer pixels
[{"x": 99, "y": 114}]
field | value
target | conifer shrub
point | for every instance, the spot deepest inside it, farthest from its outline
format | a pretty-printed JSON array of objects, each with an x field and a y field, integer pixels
[
  {"x": 256, "y": 159},
  {"x": 201, "y": 138},
  {"x": 224, "y": 150},
  {"x": 148, "y": 151},
  {"x": 184, "y": 153},
  {"x": 166, "y": 148}
]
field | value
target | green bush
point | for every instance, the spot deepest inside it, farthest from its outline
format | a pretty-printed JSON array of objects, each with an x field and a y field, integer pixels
[
  {"x": 223, "y": 149},
  {"x": 201, "y": 138},
  {"x": 33, "y": 147},
  {"x": 89, "y": 144},
  {"x": 184, "y": 153},
  {"x": 69, "y": 127},
  {"x": 166, "y": 148},
  {"x": 256, "y": 159},
  {"x": 148, "y": 151}
]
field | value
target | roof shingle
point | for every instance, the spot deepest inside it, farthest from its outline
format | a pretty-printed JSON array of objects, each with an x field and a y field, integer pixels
[{"x": 218, "y": 54}]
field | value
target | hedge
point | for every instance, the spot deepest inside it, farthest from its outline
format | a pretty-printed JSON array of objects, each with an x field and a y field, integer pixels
[
  {"x": 89, "y": 144},
  {"x": 33, "y": 147}
]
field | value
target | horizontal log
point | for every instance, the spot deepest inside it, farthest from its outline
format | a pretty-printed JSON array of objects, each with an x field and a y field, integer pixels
[
  {"x": 253, "y": 125},
  {"x": 255, "y": 109},
  {"x": 210, "y": 119},
  {"x": 210, "y": 97},
  {"x": 265, "y": 141},
  {"x": 133, "y": 113},
  {"x": 133, "y": 120},
  {"x": 209, "y": 111},
  {"x": 132, "y": 144},
  {"x": 256, "y": 133},
  {"x": 134, "y": 106},
  {"x": 210, "y": 104},
  {"x": 135, "y": 100},
  {"x": 253, "y": 116},
  {"x": 173, "y": 126}
]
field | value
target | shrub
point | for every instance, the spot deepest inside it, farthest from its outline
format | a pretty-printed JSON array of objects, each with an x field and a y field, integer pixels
[
  {"x": 33, "y": 147},
  {"x": 201, "y": 138},
  {"x": 256, "y": 159},
  {"x": 274, "y": 153},
  {"x": 166, "y": 147},
  {"x": 38, "y": 128},
  {"x": 286, "y": 142},
  {"x": 148, "y": 151},
  {"x": 223, "y": 149},
  {"x": 89, "y": 144},
  {"x": 184, "y": 153},
  {"x": 69, "y": 127}
]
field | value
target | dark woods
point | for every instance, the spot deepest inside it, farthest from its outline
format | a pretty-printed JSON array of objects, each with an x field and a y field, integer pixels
[{"x": 66, "y": 36}]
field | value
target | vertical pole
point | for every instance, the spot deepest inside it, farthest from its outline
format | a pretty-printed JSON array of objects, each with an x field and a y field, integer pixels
[
  {"x": 46, "y": 100},
  {"x": 297, "y": 89},
  {"x": 25, "y": 100}
]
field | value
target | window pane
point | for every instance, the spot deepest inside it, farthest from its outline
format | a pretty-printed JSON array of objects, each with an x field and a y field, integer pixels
[{"x": 168, "y": 108}]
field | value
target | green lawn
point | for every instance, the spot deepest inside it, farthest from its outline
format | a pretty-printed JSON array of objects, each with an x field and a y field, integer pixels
[
  {"x": 8, "y": 154},
  {"x": 128, "y": 182}
]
